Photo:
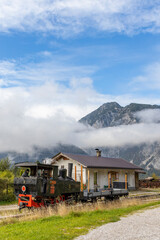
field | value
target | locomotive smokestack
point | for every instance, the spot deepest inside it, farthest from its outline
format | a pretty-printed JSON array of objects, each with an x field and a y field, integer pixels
[
  {"x": 98, "y": 152},
  {"x": 70, "y": 166}
]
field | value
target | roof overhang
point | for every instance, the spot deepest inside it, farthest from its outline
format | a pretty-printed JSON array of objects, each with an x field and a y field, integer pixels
[
  {"x": 65, "y": 157},
  {"x": 59, "y": 156},
  {"x": 32, "y": 164},
  {"x": 136, "y": 170}
]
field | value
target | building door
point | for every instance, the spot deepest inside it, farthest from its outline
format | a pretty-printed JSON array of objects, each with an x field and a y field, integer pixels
[
  {"x": 95, "y": 179},
  {"x": 136, "y": 180},
  {"x": 112, "y": 177}
]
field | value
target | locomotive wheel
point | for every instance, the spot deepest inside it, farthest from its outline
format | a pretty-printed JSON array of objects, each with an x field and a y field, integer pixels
[
  {"x": 116, "y": 197},
  {"x": 60, "y": 199}
]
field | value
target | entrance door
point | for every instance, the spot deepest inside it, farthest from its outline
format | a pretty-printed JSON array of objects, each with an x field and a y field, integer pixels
[
  {"x": 112, "y": 177},
  {"x": 95, "y": 181},
  {"x": 136, "y": 180}
]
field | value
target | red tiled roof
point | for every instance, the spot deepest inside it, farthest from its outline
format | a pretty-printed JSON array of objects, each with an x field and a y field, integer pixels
[{"x": 100, "y": 162}]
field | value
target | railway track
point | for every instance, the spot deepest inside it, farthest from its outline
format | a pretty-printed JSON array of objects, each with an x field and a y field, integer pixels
[{"x": 144, "y": 198}]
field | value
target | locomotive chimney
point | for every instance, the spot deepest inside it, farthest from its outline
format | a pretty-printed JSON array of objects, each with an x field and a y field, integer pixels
[
  {"x": 98, "y": 152},
  {"x": 70, "y": 166}
]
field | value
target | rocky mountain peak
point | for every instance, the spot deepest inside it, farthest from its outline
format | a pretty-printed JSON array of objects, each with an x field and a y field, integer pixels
[
  {"x": 136, "y": 107},
  {"x": 112, "y": 114},
  {"x": 110, "y": 106}
]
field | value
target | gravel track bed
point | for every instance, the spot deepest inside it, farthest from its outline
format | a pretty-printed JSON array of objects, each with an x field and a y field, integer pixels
[{"x": 143, "y": 225}]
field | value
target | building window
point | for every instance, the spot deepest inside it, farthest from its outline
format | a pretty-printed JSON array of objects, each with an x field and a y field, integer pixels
[
  {"x": 62, "y": 166},
  {"x": 95, "y": 178}
]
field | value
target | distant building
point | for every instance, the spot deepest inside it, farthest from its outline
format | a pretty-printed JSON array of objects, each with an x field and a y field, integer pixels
[{"x": 99, "y": 172}]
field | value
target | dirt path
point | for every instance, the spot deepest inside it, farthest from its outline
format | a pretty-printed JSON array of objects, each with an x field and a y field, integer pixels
[
  {"x": 139, "y": 226},
  {"x": 8, "y": 207}
]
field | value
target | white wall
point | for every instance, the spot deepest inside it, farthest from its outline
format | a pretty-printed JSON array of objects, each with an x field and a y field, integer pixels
[
  {"x": 102, "y": 177},
  {"x": 62, "y": 162}
]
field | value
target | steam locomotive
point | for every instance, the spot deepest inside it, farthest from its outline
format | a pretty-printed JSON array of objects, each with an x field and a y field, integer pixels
[{"x": 44, "y": 186}]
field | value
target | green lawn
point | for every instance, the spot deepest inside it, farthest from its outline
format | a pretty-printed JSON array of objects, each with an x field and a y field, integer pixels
[{"x": 67, "y": 227}]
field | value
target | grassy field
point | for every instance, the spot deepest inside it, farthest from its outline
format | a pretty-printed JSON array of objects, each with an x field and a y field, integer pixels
[
  {"x": 8, "y": 203},
  {"x": 66, "y": 224}
]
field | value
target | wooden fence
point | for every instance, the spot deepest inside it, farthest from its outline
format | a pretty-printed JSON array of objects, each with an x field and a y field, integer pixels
[{"x": 149, "y": 183}]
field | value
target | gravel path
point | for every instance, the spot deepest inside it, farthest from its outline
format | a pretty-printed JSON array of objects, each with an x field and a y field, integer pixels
[{"x": 139, "y": 226}]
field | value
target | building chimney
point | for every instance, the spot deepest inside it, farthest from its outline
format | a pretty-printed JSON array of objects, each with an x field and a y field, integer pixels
[{"x": 98, "y": 152}]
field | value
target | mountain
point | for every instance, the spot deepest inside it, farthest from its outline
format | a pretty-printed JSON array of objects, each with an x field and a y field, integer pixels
[
  {"x": 112, "y": 114},
  {"x": 145, "y": 155},
  {"x": 40, "y": 154}
]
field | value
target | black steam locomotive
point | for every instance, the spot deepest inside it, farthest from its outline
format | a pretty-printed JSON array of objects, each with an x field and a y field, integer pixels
[{"x": 44, "y": 186}]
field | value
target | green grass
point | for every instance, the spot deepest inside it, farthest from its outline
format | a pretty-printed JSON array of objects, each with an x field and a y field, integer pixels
[
  {"x": 67, "y": 227},
  {"x": 8, "y": 202}
]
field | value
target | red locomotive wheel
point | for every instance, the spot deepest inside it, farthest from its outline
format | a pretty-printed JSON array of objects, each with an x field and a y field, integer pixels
[{"x": 23, "y": 188}]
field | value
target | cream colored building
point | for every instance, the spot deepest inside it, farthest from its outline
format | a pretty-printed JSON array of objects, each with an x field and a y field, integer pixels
[{"x": 99, "y": 172}]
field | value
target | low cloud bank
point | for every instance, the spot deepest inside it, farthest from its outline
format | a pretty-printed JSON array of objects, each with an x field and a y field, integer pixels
[
  {"x": 27, "y": 121},
  {"x": 124, "y": 135},
  {"x": 149, "y": 116}
]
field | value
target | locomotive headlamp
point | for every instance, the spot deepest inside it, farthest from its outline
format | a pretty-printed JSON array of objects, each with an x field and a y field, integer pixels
[{"x": 23, "y": 188}]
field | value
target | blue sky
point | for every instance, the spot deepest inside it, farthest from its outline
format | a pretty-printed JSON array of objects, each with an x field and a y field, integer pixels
[
  {"x": 105, "y": 41},
  {"x": 69, "y": 57},
  {"x": 111, "y": 60}
]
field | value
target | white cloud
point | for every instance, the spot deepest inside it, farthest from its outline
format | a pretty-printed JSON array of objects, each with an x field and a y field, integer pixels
[
  {"x": 149, "y": 116},
  {"x": 46, "y": 112},
  {"x": 21, "y": 73},
  {"x": 41, "y": 115},
  {"x": 128, "y": 135},
  {"x": 81, "y": 83},
  {"x": 46, "y": 115},
  {"x": 150, "y": 79},
  {"x": 73, "y": 16}
]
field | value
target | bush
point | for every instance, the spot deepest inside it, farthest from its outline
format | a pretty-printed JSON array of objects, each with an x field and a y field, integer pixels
[
  {"x": 10, "y": 197},
  {"x": 6, "y": 181},
  {"x": 155, "y": 177},
  {"x": 5, "y": 164}
]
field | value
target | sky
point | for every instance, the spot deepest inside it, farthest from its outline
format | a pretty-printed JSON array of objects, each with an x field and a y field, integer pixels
[{"x": 62, "y": 59}]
